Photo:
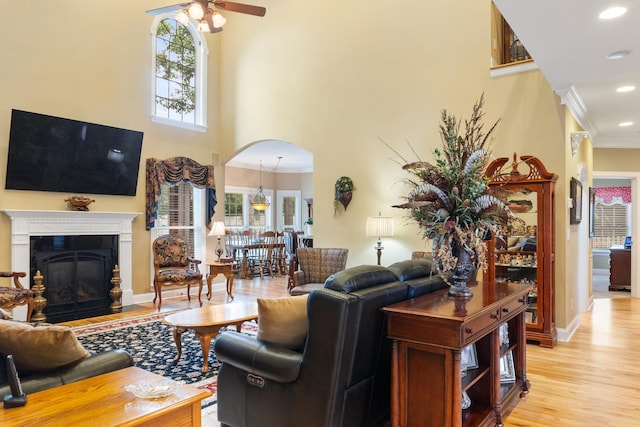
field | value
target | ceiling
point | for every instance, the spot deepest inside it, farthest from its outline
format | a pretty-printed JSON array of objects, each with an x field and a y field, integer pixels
[
  {"x": 276, "y": 156},
  {"x": 570, "y": 45}
]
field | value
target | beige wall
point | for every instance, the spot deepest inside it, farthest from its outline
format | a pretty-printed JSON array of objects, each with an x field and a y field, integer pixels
[
  {"x": 90, "y": 61},
  {"x": 333, "y": 88}
]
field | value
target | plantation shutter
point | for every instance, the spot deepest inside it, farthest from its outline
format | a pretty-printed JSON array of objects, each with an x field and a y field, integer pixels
[{"x": 610, "y": 225}]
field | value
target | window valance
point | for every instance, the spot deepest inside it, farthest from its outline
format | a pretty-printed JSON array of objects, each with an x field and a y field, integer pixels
[
  {"x": 171, "y": 172},
  {"x": 613, "y": 195}
]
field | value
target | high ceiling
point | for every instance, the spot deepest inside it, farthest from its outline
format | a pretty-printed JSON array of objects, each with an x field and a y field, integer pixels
[{"x": 570, "y": 45}]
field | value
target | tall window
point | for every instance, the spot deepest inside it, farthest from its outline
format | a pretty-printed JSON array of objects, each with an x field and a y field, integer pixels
[
  {"x": 179, "y": 70},
  {"x": 180, "y": 212}
]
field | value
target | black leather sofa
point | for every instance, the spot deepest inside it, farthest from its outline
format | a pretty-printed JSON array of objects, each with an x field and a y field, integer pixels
[
  {"x": 93, "y": 365},
  {"x": 342, "y": 375}
]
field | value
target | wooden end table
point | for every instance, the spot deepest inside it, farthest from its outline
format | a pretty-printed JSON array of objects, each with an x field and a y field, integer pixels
[
  {"x": 103, "y": 401},
  {"x": 216, "y": 268},
  {"x": 206, "y": 322}
]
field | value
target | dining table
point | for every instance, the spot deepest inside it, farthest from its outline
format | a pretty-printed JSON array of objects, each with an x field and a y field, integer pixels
[{"x": 241, "y": 253}]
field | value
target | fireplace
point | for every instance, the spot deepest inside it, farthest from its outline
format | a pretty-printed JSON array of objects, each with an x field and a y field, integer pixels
[
  {"x": 78, "y": 271},
  {"x": 60, "y": 227}
]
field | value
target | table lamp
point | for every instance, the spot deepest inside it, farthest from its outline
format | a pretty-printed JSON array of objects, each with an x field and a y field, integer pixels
[
  {"x": 379, "y": 226},
  {"x": 218, "y": 230}
]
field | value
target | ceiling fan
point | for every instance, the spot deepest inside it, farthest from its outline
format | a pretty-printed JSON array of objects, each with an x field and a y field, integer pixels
[{"x": 209, "y": 20}]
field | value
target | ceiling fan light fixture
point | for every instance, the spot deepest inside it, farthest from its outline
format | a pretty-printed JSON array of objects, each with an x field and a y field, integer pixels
[
  {"x": 203, "y": 26},
  {"x": 218, "y": 20},
  {"x": 183, "y": 18},
  {"x": 195, "y": 11}
]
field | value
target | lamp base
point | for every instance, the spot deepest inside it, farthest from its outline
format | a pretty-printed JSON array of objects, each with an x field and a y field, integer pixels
[{"x": 379, "y": 249}]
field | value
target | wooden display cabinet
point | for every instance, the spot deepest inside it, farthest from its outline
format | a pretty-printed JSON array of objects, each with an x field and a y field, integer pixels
[
  {"x": 429, "y": 335},
  {"x": 525, "y": 251}
]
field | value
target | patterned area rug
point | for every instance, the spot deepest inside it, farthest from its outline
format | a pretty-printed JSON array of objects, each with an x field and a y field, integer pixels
[{"x": 151, "y": 344}]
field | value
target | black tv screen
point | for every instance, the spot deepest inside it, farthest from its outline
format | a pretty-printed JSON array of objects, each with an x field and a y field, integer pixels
[{"x": 48, "y": 153}]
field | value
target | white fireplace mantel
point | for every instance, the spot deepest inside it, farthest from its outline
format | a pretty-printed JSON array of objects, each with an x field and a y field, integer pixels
[{"x": 27, "y": 223}]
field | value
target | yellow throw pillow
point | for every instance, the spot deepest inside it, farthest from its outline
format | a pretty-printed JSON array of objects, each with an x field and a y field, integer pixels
[
  {"x": 283, "y": 321},
  {"x": 40, "y": 347}
]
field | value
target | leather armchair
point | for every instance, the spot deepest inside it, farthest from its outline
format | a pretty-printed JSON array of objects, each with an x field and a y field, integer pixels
[{"x": 340, "y": 378}]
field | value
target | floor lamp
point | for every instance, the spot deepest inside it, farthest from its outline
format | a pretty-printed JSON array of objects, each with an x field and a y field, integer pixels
[{"x": 379, "y": 226}]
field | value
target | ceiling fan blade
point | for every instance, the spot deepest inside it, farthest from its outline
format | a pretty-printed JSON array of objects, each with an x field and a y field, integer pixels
[
  {"x": 239, "y": 7},
  {"x": 167, "y": 9}
]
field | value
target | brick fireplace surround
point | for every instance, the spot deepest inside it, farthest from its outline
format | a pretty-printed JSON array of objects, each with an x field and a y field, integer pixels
[{"x": 27, "y": 223}]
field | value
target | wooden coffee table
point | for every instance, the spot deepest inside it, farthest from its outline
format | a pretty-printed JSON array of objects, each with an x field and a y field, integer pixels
[
  {"x": 103, "y": 401},
  {"x": 206, "y": 322}
]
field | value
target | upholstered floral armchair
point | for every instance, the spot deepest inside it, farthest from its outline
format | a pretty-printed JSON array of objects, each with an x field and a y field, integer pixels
[
  {"x": 15, "y": 294},
  {"x": 174, "y": 267}
]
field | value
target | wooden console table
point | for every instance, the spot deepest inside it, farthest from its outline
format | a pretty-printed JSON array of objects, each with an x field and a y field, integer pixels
[
  {"x": 429, "y": 334},
  {"x": 103, "y": 401}
]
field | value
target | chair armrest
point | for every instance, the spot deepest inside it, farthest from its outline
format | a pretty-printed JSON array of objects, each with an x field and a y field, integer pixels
[
  {"x": 16, "y": 275},
  {"x": 195, "y": 261},
  {"x": 299, "y": 278},
  {"x": 258, "y": 357}
]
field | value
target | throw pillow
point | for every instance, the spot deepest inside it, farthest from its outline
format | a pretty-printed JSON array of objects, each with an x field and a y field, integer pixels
[
  {"x": 283, "y": 321},
  {"x": 39, "y": 347}
]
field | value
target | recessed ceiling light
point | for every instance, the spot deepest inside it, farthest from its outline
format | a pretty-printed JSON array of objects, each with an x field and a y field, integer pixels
[
  {"x": 622, "y": 89},
  {"x": 612, "y": 12},
  {"x": 625, "y": 124},
  {"x": 619, "y": 54}
]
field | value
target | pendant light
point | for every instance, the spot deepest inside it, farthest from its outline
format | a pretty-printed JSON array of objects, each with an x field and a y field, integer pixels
[{"x": 260, "y": 202}]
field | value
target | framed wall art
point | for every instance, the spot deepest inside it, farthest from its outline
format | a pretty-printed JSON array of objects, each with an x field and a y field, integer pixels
[{"x": 575, "y": 213}]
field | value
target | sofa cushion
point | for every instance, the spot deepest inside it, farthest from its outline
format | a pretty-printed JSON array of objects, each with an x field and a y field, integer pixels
[
  {"x": 413, "y": 268},
  {"x": 40, "y": 347},
  {"x": 360, "y": 277},
  {"x": 283, "y": 321}
]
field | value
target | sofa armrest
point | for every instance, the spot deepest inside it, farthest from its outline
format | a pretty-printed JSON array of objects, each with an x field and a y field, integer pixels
[
  {"x": 96, "y": 364},
  {"x": 258, "y": 357},
  {"x": 91, "y": 366}
]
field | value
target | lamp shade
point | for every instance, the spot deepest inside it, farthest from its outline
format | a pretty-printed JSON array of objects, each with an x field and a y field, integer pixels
[
  {"x": 379, "y": 226},
  {"x": 217, "y": 229}
]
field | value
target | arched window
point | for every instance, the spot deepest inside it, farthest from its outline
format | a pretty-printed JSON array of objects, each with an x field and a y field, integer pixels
[{"x": 178, "y": 74}]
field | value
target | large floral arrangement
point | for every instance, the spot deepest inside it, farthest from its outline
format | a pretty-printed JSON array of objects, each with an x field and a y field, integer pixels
[{"x": 451, "y": 200}]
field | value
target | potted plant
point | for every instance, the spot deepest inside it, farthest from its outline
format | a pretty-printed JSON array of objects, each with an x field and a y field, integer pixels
[
  {"x": 343, "y": 193},
  {"x": 309, "y": 226}
]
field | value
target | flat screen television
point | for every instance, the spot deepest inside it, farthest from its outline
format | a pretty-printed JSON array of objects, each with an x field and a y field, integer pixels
[{"x": 48, "y": 153}]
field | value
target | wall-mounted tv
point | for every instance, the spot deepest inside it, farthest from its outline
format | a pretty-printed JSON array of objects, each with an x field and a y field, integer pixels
[{"x": 48, "y": 153}]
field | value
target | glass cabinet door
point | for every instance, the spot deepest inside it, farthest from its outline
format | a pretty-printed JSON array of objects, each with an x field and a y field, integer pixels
[{"x": 517, "y": 252}]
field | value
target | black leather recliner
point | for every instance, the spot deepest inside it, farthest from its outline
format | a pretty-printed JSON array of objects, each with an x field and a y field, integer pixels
[{"x": 340, "y": 378}]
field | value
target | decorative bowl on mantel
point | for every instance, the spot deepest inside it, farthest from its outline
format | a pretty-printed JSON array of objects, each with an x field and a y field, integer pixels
[{"x": 79, "y": 203}]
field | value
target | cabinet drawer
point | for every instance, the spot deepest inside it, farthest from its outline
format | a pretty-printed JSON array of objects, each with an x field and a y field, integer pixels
[
  {"x": 480, "y": 324},
  {"x": 512, "y": 308}
]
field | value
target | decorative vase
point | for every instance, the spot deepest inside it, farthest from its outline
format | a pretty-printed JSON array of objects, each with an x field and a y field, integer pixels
[{"x": 461, "y": 274}]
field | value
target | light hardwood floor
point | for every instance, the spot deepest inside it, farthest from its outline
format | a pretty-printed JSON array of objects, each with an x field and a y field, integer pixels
[{"x": 593, "y": 380}]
